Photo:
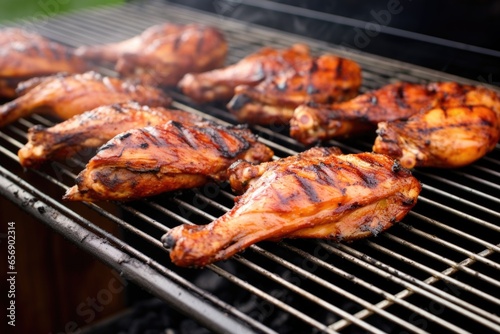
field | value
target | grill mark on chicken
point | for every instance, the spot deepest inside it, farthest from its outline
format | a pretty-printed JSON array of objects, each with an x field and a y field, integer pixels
[
  {"x": 65, "y": 96},
  {"x": 223, "y": 148},
  {"x": 93, "y": 129},
  {"x": 284, "y": 202},
  {"x": 106, "y": 147},
  {"x": 150, "y": 135},
  {"x": 123, "y": 136},
  {"x": 340, "y": 68},
  {"x": 308, "y": 187},
  {"x": 401, "y": 97},
  {"x": 165, "y": 157},
  {"x": 322, "y": 174},
  {"x": 185, "y": 135}
]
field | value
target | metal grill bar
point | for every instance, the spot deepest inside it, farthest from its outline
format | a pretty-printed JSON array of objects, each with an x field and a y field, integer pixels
[
  {"x": 392, "y": 278},
  {"x": 412, "y": 284}
]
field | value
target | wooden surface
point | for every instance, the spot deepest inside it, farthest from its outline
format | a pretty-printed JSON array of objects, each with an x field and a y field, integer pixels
[{"x": 59, "y": 287}]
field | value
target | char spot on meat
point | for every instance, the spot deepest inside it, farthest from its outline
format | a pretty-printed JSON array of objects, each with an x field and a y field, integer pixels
[
  {"x": 396, "y": 166},
  {"x": 168, "y": 241},
  {"x": 106, "y": 146},
  {"x": 124, "y": 136},
  {"x": 408, "y": 201},
  {"x": 401, "y": 98}
]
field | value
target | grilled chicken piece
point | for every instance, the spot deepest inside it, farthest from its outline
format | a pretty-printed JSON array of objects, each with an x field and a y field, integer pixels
[
  {"x": 92, "y": 129},
  {"x": 311, "y": 124},
  {"x": 152, "y": 160},
  {"x": 162, "y": 54},
  {"x": 64, "y": 96},
  {"x": 440, "y": 137},
  {"x": 24, "y": 55},
  {"x": 317, "y": 194},
  {"x": 320, "y": 80},
  {"x": 399, "y": 101},
  {"x": 455, "y": 133},
  {"x": 219, "y": 84},
  {"x": 110, "y": 53}
]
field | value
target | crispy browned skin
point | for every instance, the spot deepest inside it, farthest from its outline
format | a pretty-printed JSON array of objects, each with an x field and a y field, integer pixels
[
  {"x": 24, "y": 55},
  {"x": 162, "y": 54},
  {"x": 399, "y": 101},
  {"x": 320, "y": 80},
  {"x": 454, "y": 133},
  {"x": 314, "y": 123},
  {"x": 440, "y": 137},
  {"x": 64, "y": 96},
  {"x": 219, "y": 84},
  {"x": 92, "y": 129},
  {"x": 313, "y": 195},
  {"x": 151, "y": 160}
]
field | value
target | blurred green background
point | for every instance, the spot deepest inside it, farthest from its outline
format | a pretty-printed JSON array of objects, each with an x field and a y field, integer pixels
[{"x": 11, "y": 10}]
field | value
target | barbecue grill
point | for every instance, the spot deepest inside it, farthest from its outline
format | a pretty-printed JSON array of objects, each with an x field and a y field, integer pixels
[{"x": 437, "y": 270}]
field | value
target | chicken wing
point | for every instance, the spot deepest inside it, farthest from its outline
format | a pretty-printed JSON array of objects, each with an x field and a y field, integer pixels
[
  {"x": 92, "y": 129},
  {"x": 399, "y": 101},
  {"x": 152, "y": 160},
  {"x": 319, "y": 80},
  {"x": 162, "y": 54},
  {"x": 313, "y": 195},
  {"x": 219, "y": 84},
  {"x": 24, "y": 55},
  {"x": 64, "y": 96}
]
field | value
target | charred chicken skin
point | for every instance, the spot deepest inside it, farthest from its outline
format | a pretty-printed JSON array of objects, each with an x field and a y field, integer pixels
[
  {"x": 316, "y": 194},
  {"x": 152, "y": 160},
  {"x": 162, "y": 54},
  {"x": 320, "y": 80},
  {"x": 24, "y": 55},
  {"x": 399, "y": 101},
  {"x": 64, "y": 96},
  {"x": 452, "y": 134},
  {"x": 92, "y": 129}
]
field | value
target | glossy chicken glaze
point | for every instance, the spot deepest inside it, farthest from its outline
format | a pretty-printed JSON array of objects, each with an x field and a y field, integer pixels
[
  {"x": 266, "y": 86},
  {"x": 24, "y": 55},
  {"x": 317, "y": 194},
  {"x": 64, "y": 96},
  {"x": 163, "y": 53},
  {"x": 152, "y": 160},
  {"x": 219, "y": 84},
  {"x": 459, "y": 129},
  {"x": 318, "y": 80},
  {"x": 399, "y": 101},
  {"x": 93, "y": 129}
]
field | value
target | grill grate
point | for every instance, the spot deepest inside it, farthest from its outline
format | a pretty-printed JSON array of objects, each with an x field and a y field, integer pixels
[{"x": 436, "y": 270}]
